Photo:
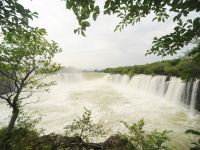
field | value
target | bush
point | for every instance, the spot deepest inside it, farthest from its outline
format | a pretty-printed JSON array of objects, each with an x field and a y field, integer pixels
[
  {"x": 144, "y": 141},
  {"x": 24, "y": 135},
  {"x": 20, "y": 138},
  {"x": 135, "y": 139},
  {"x": 84, "y": 128}
]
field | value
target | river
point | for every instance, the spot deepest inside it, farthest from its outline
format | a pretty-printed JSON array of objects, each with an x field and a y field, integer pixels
[{"x": 110, "y": 102}]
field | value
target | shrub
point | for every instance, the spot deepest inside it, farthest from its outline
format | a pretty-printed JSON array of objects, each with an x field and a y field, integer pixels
[
  {"x": 20, "y": 139},
  {"x": 84, "y": 128},
  {"x": 144, "y": 141},
  {"x": 24, "y": 135}
]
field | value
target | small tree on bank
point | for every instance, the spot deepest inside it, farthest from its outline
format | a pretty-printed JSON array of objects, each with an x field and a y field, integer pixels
[{"x": 26, "y": 58}]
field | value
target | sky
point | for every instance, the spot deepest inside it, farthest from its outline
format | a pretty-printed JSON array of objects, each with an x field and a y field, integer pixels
[{"x": 102, "y": 47}]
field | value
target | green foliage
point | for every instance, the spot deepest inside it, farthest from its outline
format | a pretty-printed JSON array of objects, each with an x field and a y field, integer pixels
[
  {"x": 83, "y": 11},
  {"x": 187, "y": 67},
  {"x": 27, "y": 120},
  {"x": 135, "y": 139},
  {"x": 195, "y": 53},
  {"x": 13, "y": 15},
  {"x": 26, "y": 58},
  {"x": 24, "y": 135},
  {"x": 144, "y": 141},
  {"x": 20, "y": 139},
  {"x": 84, "y": 128},
  {"x": 132, "y": 11}
]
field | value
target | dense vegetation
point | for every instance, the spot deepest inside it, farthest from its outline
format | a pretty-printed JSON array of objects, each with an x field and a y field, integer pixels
[
  {"x": 186, "y": 67},
  {"x": 181, "y": 68},
  {"x": 26, "y": 58},
  {"x": 81, "y": 134}
]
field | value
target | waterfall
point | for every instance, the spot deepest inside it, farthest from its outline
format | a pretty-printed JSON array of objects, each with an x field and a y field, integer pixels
[
  {"x": 175, "y": 89},
  {"x": 172, "y": 89},
  {"x": 154, "y": 85},
  {"x": 194, "y": 95},
  {"x": 125, "y": 79}
]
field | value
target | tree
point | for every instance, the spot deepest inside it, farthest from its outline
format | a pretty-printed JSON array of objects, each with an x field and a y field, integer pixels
[
  {"x": 130, "y": 12},
  {"x": 194, "y": 53},
  {"x": 14, "y": 15},
  {"x": 26, "y": 58}
]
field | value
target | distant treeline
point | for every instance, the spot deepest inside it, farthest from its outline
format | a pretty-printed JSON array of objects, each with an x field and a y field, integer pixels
[{"x": 186, "y": 68}]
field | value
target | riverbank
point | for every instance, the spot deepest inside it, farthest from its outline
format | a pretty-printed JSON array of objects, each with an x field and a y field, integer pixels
[{"x": 185, "y": 68}]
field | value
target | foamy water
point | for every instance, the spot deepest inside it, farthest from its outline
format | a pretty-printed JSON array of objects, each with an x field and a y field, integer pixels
[{"x": 110, "y": 102}]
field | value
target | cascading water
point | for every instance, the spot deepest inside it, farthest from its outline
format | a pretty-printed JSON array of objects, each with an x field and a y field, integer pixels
[
  {"x": 173, "y": 89},
  {"x": 194, "y": 95},
  {"x": 116, "y": 98}
]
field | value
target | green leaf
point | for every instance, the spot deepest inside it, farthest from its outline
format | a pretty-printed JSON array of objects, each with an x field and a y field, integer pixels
[
  {"x": 196, "y": 23},
  {"x": 107, "y": 3},
  {"x": 75, "y": 10},
  {"x": 189, "y": 20},
  {"x": 85, "y": 24},
  {"x": 97, "y": 10},
  {"x": 177, "y": 17},
  {"x": 94, "y": 16},
  {"x": 69, "y": 4},
  {"x": 19, "y": 7},
  {"x": 75, "y": 30},
  {"x": 154, "y": 18},
  {"x": 82, "y": 33}
]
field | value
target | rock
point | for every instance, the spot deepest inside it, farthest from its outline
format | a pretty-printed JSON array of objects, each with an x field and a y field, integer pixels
[
  {"x": 58, "y": 141},
  {"x": 197, "y": 105}
]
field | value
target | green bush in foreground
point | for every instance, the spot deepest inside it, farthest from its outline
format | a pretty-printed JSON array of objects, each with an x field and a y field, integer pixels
[
  {"x": 24, "y": 135},
  {"x": 85, "y": 129},
  {"x": 20, "y": 139},
  {"x": 136, "y": 138},
  {"x": 81, "y": 134},
  {"x": 146, "y": 141}
]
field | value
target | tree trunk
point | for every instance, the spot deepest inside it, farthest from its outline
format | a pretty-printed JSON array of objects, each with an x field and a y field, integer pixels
[
  {"x": 13, "y": 119},
  {"x": 11, "y": 125}
]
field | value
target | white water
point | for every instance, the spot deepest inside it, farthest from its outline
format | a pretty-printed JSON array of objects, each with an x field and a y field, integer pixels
[
  {"x": 174, "y": 90},
  {"x": 115, "y": 98},
  {"x": 194, "y": 94}
]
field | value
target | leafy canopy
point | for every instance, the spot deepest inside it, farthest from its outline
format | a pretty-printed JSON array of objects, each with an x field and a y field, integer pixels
[
  {"x": 13, "y": 15},
  {"x": 26, "y": 58},
  {"x": 130, "y": 12}
]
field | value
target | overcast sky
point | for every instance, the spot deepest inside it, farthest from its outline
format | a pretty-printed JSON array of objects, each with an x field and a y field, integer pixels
[{"x": 102, "y": 47}]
